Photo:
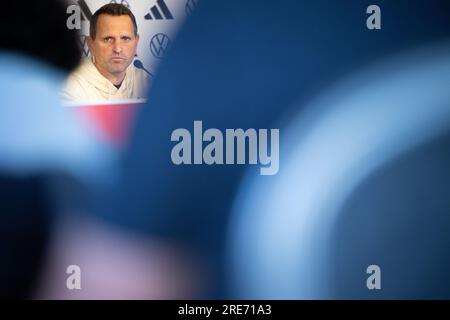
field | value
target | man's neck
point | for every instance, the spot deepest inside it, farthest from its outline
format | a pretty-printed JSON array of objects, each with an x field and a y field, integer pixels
[{"x": 115, "y": 79}]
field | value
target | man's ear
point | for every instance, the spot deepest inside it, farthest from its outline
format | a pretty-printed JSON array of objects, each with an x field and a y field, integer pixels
[
  {"x": 90, "y": 43},
  {"x": 137, "y": 44}
]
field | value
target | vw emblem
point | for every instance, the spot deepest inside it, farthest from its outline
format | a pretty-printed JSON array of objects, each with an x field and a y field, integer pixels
[
  {"x": 84, "y": 46},
  {"x": 159, "y": 45},
  {"x": 190, "y": 6},
  {"x": 123, "y": 2}
]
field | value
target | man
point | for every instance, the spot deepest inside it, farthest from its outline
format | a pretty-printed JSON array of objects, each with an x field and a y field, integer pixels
[{"x": 109, "y": 73}]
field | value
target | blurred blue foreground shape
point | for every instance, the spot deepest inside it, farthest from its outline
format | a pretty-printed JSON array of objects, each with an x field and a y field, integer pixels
[
  {"x": 257, "y": 65},
  {"x": 366, "y": 182},
  {"x": 48, "y": 161}
]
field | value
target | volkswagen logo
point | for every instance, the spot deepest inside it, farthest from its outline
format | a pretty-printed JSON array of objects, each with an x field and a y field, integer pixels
[
  {"x": 159, "y": 45},
  {"x": 190, "y": 6},
  {"x": 123, "y": 2}
]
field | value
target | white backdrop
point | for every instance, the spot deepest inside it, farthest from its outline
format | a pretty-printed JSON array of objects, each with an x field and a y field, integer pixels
[{"x": 157, "y": 20}]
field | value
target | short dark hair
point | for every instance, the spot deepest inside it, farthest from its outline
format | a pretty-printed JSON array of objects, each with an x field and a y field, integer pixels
[{"x": 111, "y": 9}]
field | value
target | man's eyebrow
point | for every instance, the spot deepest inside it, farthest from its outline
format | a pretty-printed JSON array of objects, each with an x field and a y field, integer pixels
[{"x": 119, "y": 36}]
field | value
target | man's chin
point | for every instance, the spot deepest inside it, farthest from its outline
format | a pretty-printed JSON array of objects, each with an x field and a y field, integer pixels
[
  {"x": 117, "y": 70},
  {"x": 118, "y": 66}
]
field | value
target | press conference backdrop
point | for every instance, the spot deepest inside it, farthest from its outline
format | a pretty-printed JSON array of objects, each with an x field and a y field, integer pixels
[{"x": 157, "y": 20}]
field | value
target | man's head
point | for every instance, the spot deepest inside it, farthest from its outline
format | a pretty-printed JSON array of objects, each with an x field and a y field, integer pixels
[{"x": 113, "y": 39}]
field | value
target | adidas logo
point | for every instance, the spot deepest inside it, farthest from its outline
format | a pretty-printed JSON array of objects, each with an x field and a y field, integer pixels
[{"x": 159, "y": 11}]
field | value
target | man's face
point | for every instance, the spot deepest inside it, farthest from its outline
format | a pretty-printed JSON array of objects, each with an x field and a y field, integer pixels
[{"x": 115, "y": 44}]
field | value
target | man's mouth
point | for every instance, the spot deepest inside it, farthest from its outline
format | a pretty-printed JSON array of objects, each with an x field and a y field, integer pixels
[{"x": 117, "y": 59}]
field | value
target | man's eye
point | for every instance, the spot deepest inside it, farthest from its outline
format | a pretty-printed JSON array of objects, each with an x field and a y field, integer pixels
[
  {"x": 126, "y": 38},
  {"x": 108, "y": 39}
]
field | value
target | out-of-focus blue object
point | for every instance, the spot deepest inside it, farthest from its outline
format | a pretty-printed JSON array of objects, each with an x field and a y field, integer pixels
[
  {"x": 36, "y": 133},
  {"x": 245, "y": 64},
  {"x": 365, "y": 181},
  {"x": 48, "y": 161}
]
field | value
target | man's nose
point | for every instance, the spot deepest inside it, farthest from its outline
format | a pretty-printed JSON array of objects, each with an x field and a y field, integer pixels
[{"x": 117, "y": 48}]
